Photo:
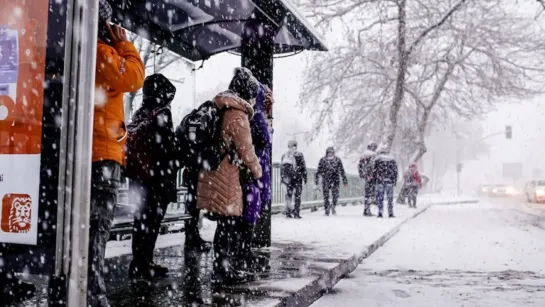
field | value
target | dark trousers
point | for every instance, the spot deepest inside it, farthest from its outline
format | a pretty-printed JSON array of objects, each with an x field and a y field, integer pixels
[
  {"x": 370, "y": 194},
  {"x": 104, "y": 183},
  {"x": 244, "y": 257},
  {"x": 151, "y": 209},
  {"x": 192, "y": 235},
  {"x": 412, "y": 193},
  {"x": 227, "y": 242},
  {"x": 293, "y": 192},
  {"x": 388, "y": 189},
  {"x": 334, "y": 189}
]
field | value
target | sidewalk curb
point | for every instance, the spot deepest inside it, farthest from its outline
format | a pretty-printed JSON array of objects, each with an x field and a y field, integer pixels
[{"x": 316, "y": 289}]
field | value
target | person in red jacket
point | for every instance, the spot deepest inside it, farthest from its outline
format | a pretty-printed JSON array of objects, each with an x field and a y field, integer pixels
[{"x": 413, "y": 183}]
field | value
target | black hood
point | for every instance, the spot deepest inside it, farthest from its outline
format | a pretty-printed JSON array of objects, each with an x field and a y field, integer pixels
[{"x": 158, "y": 90}]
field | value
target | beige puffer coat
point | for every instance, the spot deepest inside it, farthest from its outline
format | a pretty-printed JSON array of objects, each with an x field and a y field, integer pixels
[{"x": 219, "y": 191}]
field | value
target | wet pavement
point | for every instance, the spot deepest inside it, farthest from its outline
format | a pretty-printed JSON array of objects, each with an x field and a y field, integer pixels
[{"x": 189, "y": 280}]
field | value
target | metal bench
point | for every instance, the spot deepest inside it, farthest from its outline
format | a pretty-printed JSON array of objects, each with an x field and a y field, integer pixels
[
  {"x": 122, "y": 227},
  {"x": 124, "y": 218}
]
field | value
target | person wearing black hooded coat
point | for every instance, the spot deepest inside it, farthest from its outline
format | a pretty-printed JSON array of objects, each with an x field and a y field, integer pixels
[
  {"x": 330, "y": 170},
  {"x": 154, "y": 190}
]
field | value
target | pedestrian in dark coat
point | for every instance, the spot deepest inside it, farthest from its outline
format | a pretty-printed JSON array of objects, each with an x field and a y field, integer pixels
[
  {"x": 385, "y": 174},
  {"x": 153, "y": 192},
  {"x": 294, "y": 174},
  {"x": 330, "y": 171},
  {"x": 365, "y": 169}
]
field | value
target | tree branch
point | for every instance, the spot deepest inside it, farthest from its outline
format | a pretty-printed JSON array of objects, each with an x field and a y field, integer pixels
[{"x": 434, "y": 26}]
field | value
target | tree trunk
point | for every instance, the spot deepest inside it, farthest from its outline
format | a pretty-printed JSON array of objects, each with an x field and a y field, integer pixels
[
  {"x": 400, "y": 80},
  {"x": 420, "y": 141}
]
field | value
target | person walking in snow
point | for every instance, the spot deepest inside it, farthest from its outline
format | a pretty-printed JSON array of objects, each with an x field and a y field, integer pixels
[
  {"x": 294, "y": 174},
  {"x": 385, "y": 174},
  {"x": 365, "y": 170},
  {"x": 413, "y": 183},
  {"x": 330, "y": 170}
]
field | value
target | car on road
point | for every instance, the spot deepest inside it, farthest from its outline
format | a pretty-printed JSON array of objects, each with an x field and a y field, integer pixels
[
  {"x": 503, "y": 190},
  {"x": 535, "y": 191},
  {"x": 484, "y": 189}
]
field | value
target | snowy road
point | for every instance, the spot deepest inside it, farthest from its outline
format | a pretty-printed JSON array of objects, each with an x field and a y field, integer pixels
[{"x": 486, "y": 254}]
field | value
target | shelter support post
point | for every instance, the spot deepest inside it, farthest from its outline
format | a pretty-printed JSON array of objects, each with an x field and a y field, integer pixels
[{"x": 257, "y": 55}]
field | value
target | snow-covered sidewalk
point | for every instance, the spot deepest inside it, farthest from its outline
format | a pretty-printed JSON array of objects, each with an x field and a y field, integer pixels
[
  {"x": 332, "y": 235},
  {"x": 460, "y": 255}
]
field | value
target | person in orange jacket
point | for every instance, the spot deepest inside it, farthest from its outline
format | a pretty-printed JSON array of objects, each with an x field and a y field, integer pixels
[{"x": 119, "y": 70}]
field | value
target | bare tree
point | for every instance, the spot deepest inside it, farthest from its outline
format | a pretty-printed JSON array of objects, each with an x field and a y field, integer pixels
[
  {"x": 451, "y": 59},
  {"x": 484, "y": 55},
  {"x": 373, "y": 60}
]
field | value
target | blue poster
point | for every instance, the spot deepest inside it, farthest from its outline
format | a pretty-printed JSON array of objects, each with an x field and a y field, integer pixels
[{"x": 9, "y": 55}]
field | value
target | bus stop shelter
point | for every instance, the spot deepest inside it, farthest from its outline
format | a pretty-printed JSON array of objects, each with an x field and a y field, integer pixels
[{"x": 46, "y": 109}]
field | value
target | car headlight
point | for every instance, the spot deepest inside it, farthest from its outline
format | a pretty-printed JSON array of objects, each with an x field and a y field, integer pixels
[
  {"x": 494, "y": 190},
  {"x": 540, "y": 192},
  {"x": 510, "y": 191}
]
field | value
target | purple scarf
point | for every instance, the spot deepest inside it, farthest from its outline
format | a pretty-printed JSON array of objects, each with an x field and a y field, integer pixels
[{"x": 257, "y": 194}]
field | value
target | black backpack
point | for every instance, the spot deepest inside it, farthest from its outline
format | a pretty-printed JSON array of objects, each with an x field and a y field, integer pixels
[{"x": 200, "y": 140}]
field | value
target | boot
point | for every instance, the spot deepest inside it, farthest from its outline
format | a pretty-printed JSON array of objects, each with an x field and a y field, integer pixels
[
  {"x": 198, "y": 244},
  {"x": 367, "y": 212},
  {"x": 146, "y": 271},
  {"x": 193, "y": 240},
  {"x": 379, "y": 215},
  {"x": 391, "y": 215},
  {"x": 333, "y": 211}
]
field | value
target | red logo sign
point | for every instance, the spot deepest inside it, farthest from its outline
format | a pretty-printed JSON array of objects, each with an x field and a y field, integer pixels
[{"x": 16, "y": 213}]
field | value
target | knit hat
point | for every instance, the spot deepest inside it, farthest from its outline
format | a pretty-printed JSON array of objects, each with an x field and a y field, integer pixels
[
  {"x": 159, "y": 87},
  {"x": 104, "y": 10},
  {"x": 292, "y": 143},
  {"x": 244, "y": 84}
]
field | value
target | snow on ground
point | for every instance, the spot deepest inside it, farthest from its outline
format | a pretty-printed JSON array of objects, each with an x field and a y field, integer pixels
[
  {"x": 487, "y": 254},
  {"x": 330, "y": 237}
]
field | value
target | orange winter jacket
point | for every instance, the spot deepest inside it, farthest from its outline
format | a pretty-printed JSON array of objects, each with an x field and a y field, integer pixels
[{"x": 119, "y": 70}]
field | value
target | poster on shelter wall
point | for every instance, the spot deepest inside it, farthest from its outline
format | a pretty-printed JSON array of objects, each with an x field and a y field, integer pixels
[{"x": 22, "y": 69}]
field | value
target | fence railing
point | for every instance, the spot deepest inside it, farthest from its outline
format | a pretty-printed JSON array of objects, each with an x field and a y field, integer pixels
[{"x": 310, "y": 194}]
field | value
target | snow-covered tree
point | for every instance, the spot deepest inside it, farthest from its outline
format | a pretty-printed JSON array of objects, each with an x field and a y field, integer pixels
[{"x": 404, "y": 62}]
